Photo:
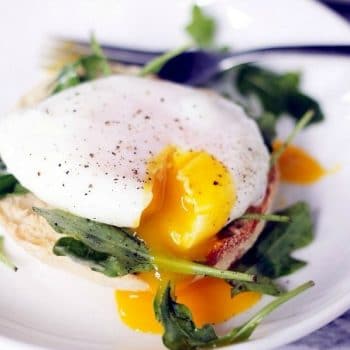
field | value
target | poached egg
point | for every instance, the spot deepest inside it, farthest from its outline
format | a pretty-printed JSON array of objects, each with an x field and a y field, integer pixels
[{"x": 174, "y": 163}]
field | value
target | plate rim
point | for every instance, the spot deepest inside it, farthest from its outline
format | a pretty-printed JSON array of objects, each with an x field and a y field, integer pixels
[{"x": 282, "y": 337}]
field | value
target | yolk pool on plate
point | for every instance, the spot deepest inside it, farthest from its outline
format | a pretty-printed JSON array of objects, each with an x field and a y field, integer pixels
[
  {"x": 209, "y": 300},
  {"x": 296, "y": 166},
  {"x": 193, "y": 194}
]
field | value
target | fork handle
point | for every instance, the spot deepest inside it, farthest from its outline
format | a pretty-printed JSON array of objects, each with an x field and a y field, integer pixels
[
  {"x": 230, "y": 59},
  {"x": 141, "y": 57},
  {"x": 329, "y": 49}
]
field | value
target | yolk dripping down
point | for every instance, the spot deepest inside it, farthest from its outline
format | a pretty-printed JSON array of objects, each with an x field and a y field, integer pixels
[
  {"x": 296, "y": 166},
  {"x": 193, "y": 194},
  {"x": 209, "y": 300}
]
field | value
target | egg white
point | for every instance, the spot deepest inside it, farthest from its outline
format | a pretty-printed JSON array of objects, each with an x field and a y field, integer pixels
[{"x": 86, "y": 149}]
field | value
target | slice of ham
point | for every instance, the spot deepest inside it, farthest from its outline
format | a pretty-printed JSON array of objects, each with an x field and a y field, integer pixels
[{"x": 237, "y": 238}]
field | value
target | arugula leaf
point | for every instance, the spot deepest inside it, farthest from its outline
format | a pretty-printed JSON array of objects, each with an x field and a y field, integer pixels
[
  {"x": 20, "y": 189},
  {"x": 84, "y": 69},
  {"x": 270, "y": 255},
  {"x": 67, "y": 77},
  {"x": 3, "y": 258},
  {"x": 8, "y": 183},
  {"x": 202, "y": 28},
  {"x": 114, "y": 251},
  {"x": 131, "y": 253},
  {"x": 180, "y": 332},
  {"x": 298, "y": 104},
  {"x": 264, "y": 217},
  {"x": 278, "y": 93},
  {"x": 267, "y": 125},
  {"x": 125, "y": 253},
  {"x": 97, "y": 261},
  {"x": 95, "y": 47},
  {"x": 264, "y": 285},
  {"x": 270, "y": 258}
]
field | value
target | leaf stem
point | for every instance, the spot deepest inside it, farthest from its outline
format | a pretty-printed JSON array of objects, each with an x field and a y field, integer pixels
[
  {"x": 190, "y": 268},
  {"x": 265, "y": 217},
  {"x": 243, "y": 332},
  {"x": 155, "y": 65},
  {"x": 305, "y": 119}
]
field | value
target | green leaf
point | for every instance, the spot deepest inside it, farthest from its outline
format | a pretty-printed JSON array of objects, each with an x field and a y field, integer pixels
[
  {"x": 244, "y": 332},
  {"x": 130, "y": 254},
  {"x": 67, "y": 77},
  {"x": 19, "y": 189},
  {"x": 3, "y": 258},
  {"x": 94, "y": 67},
  {"x": 80, "y": 252},
  {"x": 298, "y": 104},
  {"x": 271, "y": 254},
  {"x": 202, "y": 28},
  {"x": 278, "y": 93},
  {"x": 7, "y": 184},
  {"x": 95, "y": 46},
  {"x": 155, "y": 65},
  {"x": 264, "y": 217},
  {"x": 271, "y": 88},
  {"x": 86, "y": 68},
  {"x": 180, "y": 332},
  {"x": 267, "y": 125},
  {"x": 263, "y": 285},
  {"x": 121, "y": 247},
  {"x": 10, "y": 185},
  {"x": 270, "y": 257}
]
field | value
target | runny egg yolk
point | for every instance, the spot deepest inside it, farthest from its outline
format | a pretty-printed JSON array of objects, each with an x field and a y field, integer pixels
[
  {"x": 298, "y": 167},
  {"x": 193, "y": 194},
  {"x": 208, "y": 299}
]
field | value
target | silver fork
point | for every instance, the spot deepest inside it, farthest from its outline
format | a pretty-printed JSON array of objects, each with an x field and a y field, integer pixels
[{"x": 193, "y": 67}]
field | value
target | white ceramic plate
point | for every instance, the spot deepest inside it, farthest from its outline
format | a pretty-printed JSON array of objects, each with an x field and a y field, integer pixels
[{"x": 41, "y": 307}]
